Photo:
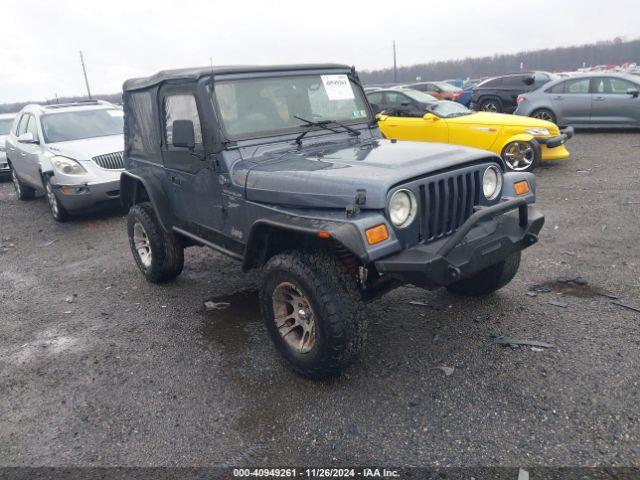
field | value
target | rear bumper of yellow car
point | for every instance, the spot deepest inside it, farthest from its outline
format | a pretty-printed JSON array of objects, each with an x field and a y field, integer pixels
[{"x": 553, "y": 148}]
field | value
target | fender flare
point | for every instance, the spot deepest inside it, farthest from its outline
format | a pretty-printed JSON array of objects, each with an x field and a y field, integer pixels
[
  {"x": 130, "y": 195},
  {"x": 344, "y": 233}
]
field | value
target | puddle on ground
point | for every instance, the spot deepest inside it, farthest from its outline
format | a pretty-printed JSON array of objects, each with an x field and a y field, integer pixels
[
  {"x": 227, "y": 326},
  {"x": 575, "y": 289}
]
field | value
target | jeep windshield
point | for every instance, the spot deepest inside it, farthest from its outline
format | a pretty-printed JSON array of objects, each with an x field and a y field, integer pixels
[
  {"x": 260, "y": 107},
  {"x": 81, "y": 124}
]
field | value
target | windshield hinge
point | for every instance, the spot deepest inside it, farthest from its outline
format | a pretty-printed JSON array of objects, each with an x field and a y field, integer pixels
[{"x": 360, "y": 199}]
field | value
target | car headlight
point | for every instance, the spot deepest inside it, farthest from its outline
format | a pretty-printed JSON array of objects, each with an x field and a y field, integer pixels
[
  {"x": 538, "y": 131},
  {"x": 491, "y": 182},
  {"x": 67, "y": 166},
  {"x": 402, "y": 208}
]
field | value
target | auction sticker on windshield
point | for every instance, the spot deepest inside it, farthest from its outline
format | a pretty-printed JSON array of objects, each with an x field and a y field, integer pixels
[{"x": 337, "y": 87}]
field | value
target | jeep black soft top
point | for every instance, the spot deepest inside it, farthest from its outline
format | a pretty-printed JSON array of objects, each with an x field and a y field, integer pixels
[{"x": 284, "y": 169}]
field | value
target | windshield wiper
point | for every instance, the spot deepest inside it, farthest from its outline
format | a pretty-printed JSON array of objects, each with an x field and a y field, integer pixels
[{"x": 323, "y": 124}]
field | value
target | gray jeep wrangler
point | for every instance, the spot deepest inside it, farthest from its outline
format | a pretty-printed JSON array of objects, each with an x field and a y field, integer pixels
[{"x": 284, "y": 169}]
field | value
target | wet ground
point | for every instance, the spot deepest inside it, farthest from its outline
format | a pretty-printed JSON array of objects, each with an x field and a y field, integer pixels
[{"x": 97, "y": 367}]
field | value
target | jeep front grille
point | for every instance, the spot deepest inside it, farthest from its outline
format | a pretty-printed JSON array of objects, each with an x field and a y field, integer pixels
[
  {"x": 446, "y": 203},
  {"x": 110, "y": 161}
]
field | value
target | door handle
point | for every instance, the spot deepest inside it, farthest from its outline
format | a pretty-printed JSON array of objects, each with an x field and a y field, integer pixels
[
  {"x": 22, "y": 154},
  {"x": 175, "y": 180},
  {"x": 558, "y": 98},
  {"x": 598, "y": 99}
]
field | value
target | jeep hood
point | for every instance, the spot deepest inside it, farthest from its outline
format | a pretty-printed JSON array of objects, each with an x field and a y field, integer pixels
[
  {"x": 88, "y": 148},
  {"x": 330, "y": 175}
]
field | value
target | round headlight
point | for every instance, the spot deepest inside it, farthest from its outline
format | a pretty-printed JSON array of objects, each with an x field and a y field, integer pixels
[
  {"x": 402, "y": 208},
  {"x": 491, "y": 182}
]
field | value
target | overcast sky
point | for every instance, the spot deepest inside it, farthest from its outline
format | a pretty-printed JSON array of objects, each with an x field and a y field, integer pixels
[{"x": 127, "y": 38}]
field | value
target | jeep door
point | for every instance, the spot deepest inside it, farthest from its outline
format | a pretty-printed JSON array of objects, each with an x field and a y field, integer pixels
[
  {"x": 611, "y": 102},
  {"x": 191, "y": 175}
]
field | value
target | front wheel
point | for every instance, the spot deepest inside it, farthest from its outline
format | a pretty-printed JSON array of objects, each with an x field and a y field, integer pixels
[
  {"x": 521, "y": 156},
  {"x": 159, "y": 255},
  {"x": 313, "y": 312},
  {"x": 58, "y": 212},
  {"x": 488, "y": 280}
]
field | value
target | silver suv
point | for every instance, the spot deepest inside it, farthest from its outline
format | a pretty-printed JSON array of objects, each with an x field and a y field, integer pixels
[
  {"x": 6, "y": 120},
  {"x": 71, "y": 152}
]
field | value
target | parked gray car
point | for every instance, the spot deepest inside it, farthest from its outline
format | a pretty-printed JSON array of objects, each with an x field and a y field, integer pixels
[
  {"x": 588, "y": 100},
  {"x": 71, "y": 152},
  {"x": 6, "y": 120}
]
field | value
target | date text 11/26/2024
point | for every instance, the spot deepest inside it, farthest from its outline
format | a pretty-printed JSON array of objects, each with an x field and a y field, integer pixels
[{"x": 315, "y": 473}]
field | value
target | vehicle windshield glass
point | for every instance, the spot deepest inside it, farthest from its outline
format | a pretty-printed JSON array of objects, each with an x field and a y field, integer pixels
[
  {"x": 448, "y": 109},
  {"x": 67, "y": 126},
  {"x": 419, "y": 96},
  {"x": 259, "y": 107},
  {"x": 5, "y": 125}
]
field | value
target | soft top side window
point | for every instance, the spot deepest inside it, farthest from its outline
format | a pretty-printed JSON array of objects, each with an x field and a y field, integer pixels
[{"x": 181, "y": 107}]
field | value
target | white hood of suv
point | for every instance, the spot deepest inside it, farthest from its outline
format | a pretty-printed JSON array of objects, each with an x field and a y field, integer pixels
[{"x": 88, "y": 148}]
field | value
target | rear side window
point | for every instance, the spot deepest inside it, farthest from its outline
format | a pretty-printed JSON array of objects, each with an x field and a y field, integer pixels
[
  {"x": 577, "y": 86},
  {"x": 394, "y": 98},
  {"x": 141, "y": 133},
  {"x": 515, "y": 81},
  {"x": 493, "y": 83},
  {"x": 181, "y": 107},
  {"x": 558, "y": 88},
  {"x": 375, "y": 98}
]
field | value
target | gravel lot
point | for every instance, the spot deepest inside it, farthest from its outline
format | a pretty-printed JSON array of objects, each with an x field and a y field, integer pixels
[{"x": 97, "y": 367}]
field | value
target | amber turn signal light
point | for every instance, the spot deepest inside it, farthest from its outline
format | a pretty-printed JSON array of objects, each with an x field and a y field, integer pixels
[
  {"x": 521, "y": 187},
  {"x": 376, "y": 234}
]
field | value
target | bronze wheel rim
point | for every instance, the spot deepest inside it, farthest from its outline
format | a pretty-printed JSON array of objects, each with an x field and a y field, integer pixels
[{"x": 294, "y": 317}]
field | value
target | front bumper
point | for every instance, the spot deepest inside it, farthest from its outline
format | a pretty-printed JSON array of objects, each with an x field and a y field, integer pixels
[
  {"x": 85, "y": 195},
  {"x": 489, "y": 236},
  {"x": 554, "y": 142}
]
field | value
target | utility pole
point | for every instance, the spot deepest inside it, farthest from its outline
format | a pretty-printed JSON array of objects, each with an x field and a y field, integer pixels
[
  {"x": 84, "y": 70},
  {"x": 395, "y": 64}
]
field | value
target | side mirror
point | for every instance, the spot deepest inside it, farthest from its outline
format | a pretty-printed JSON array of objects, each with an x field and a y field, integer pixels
[
  {"x": 529, "y": 81},
  {"x": 634, "y": 92},
  {"x": 183, "y": 135},
  {"x": 27, "y": 137},
  {"x": 430, "y": 117}
]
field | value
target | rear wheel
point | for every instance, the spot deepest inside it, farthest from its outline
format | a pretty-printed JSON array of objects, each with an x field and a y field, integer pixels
[
  {"x": 521, "y": 156},
  {"x": 159, "y": 255},
  {"x": 58, "y": 212},
  {"x": 313, "y": 312},
  {"x": 544, "y": 114},
  {"x": 23, "y": 192},
  {"x": 488, "y": 280},
  {"x": 492, "y": 105}
]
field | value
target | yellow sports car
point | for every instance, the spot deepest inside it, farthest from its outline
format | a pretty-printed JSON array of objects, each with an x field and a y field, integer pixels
[{"x": 522, "y": 142}]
